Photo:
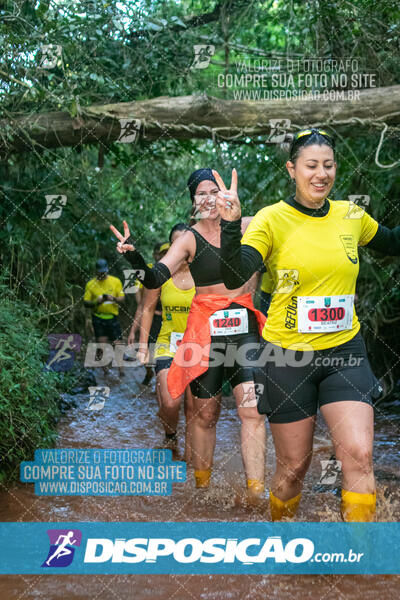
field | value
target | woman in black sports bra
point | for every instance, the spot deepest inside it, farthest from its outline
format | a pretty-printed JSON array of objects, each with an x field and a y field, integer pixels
[{"x": 221, "y": 322}]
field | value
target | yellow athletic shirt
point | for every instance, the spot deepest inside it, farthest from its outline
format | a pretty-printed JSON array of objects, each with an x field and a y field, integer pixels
[
  {"x": 309, "y": 256},
  {"x": 176, "y": 305},
  {"x": 95, "y": 288},
  {"x": 267, "y": 283}
]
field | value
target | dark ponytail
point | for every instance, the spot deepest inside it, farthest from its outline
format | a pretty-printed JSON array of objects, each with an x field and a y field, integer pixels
[{"x": 177, "y": 227}]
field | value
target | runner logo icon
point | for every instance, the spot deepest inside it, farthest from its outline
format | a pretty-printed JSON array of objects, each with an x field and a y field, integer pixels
[
  {"x": 357, "y": 205},
  {"x": 51, "y": 56},
  {"x": 63, "y": 347},
  {"x": 132, "y": 285},
  {"x": 202, "y": 55},
  {"x": 62, "y": 547},
  {"x": 98, "y": 396},
  {"x": 287, "y": 280},
  {"x": 331, "y": 469},
  {"x": 279, "y": 128},
  {"x": 130, "y": 129},
  {"x": 54, "y": 206}
]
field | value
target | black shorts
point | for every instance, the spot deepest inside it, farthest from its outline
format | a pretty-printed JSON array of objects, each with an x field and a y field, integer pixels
[
  {"x": 109, "y": 328},
  {"x": 297, "y": 383},
  {"x": 164, "y": 362},
  {"x": 226, "y": 365}
]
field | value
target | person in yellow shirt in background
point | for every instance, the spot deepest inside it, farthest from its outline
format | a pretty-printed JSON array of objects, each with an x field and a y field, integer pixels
[
  {"x": 160, "y": 249},
  {"x": 103, "y": 295},
  {"x": 175, "y": 298}
]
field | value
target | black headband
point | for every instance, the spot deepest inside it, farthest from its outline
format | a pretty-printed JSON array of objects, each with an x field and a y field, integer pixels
[{"x": 198, "y": 176}]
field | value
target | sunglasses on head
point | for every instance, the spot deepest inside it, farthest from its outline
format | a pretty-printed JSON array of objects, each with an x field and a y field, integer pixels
[
  {"x": 301, "y": 134},
  {"x": 306, "y": 132}
]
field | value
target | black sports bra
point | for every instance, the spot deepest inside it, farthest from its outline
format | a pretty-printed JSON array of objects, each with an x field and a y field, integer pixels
[{"x": 205, "y": 267}]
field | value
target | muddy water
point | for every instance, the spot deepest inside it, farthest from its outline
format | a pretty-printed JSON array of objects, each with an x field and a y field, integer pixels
[{"x": 129, "y": 420}]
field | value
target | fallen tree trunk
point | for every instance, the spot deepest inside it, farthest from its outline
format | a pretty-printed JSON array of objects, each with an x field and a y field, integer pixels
[{"x": 197, "y": 116}]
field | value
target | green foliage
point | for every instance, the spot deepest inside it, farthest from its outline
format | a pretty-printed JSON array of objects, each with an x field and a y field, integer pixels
[
  {"x": 124, "y": 51},
  {"x": 29, "y": 397},
  {"x": 120, "y": 51}
]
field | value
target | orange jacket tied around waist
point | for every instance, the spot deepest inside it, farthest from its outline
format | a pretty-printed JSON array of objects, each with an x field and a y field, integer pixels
[{"x": 197, "y": 339}]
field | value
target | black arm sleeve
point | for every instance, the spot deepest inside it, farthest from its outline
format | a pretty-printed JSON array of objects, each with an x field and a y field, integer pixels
[
  {"x": 238, "y": 262},
  {"x": 151, "y": 278},
  {"x": 386, "y": 241}
]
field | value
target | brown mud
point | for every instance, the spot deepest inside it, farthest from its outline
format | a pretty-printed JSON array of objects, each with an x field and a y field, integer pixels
[{"x": 128, "y": 420}]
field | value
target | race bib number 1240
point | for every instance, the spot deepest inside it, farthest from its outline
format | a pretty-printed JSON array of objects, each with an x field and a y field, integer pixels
[{"x": 229, "y": 322}]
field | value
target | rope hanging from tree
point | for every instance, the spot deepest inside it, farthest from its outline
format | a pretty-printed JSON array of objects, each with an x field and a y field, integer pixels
[{"x": 385, "y": 128}]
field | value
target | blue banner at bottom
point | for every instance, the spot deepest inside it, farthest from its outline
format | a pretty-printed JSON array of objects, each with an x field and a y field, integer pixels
[{"x": 200, "y": 548}]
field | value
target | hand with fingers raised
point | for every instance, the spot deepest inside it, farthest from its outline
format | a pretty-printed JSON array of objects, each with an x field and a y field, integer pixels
[
  {"x": 125, "y": 241},
  {"x": 227, "y": 200}
]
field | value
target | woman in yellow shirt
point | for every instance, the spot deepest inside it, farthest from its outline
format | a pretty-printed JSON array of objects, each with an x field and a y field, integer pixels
[
  {"x": 176, "y": 297},
  {"x": 314, "y": 355}
]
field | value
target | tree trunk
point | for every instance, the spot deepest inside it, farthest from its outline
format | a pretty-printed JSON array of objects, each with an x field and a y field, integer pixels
[{"x": 197, "y": 116}]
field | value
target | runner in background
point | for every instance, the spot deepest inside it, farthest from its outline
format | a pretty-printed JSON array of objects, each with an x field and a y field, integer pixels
[
  {"x": 220, "y": 319},
  {"x": 310, "y": 245},
  {"x": 159, "y": 251},
  {"x": 176, "y": 297},
  {"x": 103, "y": 295}
]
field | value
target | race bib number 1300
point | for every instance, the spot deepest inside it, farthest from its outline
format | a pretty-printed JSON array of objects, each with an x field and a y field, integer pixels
[{"x": 325, "y": 314}]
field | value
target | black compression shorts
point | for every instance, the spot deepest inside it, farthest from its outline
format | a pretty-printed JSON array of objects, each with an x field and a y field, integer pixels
[
  {"x": 294, "y": 390},
  {"x": 163, "y": 362},
  {"x": 109, "y": 328},
  {"x": 224, "y": 364}
]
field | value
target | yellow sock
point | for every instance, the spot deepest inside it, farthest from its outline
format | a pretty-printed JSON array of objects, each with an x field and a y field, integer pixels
[
  {"x": 358, "y": 507},
  {"x": 283, "y": 508},
  {"x": 255, "y": 486},
  {"x": 202, "y": 478}
]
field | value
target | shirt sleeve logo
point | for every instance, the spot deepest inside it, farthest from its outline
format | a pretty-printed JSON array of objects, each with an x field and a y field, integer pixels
[{"x": 350, "y": 248}]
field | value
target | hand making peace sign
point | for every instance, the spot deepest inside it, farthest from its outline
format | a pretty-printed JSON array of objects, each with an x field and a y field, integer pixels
[
  {"x": 121, "y": 246},
  {"x": 227, "y": 200}
]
